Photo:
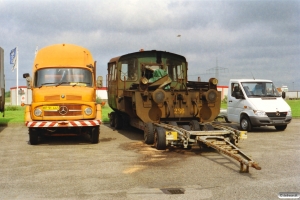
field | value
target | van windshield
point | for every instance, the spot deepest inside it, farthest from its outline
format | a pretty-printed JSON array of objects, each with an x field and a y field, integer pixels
[
  {"x": 260, "y": 89},
  {"x": 63, "y": 76}
]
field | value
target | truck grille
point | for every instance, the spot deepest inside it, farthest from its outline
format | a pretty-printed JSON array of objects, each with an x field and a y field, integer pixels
[{"x": 65, "y": 110}]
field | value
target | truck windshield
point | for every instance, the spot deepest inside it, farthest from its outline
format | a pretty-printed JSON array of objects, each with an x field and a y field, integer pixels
[
  {"x": 260, "y": 89},
  {"x": 63, "y": 76}
]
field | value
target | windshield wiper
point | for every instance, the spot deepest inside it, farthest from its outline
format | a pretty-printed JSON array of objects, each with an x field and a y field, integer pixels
[
  {"x": 87, "y": 83},
  {"x": 46, "y": 84},
  {"x": 61, "y": 83}
]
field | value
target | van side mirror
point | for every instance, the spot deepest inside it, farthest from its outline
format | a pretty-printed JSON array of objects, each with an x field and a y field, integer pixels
[
  {"x": 283, "y": 94},
  {"x": 239, "y": 95},
  {"x": 28, "y": 80},
  {"x": 99, "y": 81}
]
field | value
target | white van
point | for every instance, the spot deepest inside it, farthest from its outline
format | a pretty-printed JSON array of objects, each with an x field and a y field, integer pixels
[{"x": 256, "y": 102}]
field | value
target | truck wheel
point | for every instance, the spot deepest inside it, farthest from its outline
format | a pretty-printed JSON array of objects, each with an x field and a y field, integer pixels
[
  {"x": 195, "y": 126},
  {"x": 245, "y": 124},
  {"x": 118, "y": 121},
  {"x": 281, "y": 128},
  {"x": 112, "y": 119},
  {"x": 149, "y": 133},
  {"x": 95, "y": 135},
  {"x": 160, "y": 138},
  {"x": 33, "y": 137}
]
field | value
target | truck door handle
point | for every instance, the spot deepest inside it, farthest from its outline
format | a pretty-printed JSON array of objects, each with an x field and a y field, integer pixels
[{"x": 230, "y": 101}]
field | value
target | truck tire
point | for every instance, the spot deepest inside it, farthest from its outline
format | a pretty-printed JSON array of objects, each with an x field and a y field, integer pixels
[
  {"x": 160, "y": 138},
  {"x": 33, "y": 137},
  {"x": 281, "y": 128},
  {"x": 245, "y": 123},
  {"x": 118, "y": 121},
  {"x": 95, "y": 135},
  {"x": 149, "y": 133},
  {"x": 2, "y": 100}
]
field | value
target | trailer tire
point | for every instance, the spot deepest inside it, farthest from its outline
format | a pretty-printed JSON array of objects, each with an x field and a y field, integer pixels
[
  {"x": 281, "y": 128},
  {"x": 33, "y": 137},
  {"x": 149, "y": 133},
  {"x": 186, "y": 127},
  {"x": 112, "y": 119},
  {"x": 95, "y": 135},
  {"x": 2, "y": 103},
  {"x": 195, "y": 126},
  {"x": 245, "y": 123},
  {"x": 118, "y": 121},
  {"x": 160, "y": 138}
]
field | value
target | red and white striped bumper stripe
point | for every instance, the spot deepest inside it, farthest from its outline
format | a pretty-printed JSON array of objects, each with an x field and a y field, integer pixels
[{"x": 42, "y": 124}]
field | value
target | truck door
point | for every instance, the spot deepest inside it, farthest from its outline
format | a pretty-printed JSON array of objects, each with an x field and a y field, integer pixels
[{"x": 234, "y": 105}]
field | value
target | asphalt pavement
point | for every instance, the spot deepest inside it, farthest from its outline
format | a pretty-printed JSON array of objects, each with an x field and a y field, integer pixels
[{"x": 121, "y": 166}]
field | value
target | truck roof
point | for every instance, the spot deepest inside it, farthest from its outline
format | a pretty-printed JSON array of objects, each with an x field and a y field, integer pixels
[{"x": 250, "y": 80}]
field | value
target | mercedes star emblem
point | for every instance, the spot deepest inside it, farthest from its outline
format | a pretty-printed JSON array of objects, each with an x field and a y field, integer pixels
[{"x": 63, "y": 110}]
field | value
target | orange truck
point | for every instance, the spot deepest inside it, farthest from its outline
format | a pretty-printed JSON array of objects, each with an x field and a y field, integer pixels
[{"x": 63, "y": 85}]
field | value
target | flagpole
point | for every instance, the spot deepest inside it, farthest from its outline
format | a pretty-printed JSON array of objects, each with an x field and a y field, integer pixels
[{"x": 17, "y": 91}]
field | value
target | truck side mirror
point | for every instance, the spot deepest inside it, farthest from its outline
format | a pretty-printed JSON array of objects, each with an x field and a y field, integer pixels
[
  {"x": 283, "y": 94},
  {"x": 99, "y": 81},
  {"x": 28, "y": 80}
]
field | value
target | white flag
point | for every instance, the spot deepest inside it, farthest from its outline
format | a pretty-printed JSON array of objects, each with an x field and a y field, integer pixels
[{"x": 13, "y": 58}]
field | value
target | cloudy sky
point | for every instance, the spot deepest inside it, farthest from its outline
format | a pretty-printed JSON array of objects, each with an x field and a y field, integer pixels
[{"x": 240, "y": 38}]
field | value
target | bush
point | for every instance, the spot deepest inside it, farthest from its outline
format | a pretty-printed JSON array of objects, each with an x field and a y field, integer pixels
[
  {"x": 12, "y": 108},
  {"x": 225, "y": 99}
]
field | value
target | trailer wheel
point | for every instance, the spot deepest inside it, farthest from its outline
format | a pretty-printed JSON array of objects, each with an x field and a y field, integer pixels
[
  {"x": 186, "y": 127},
  {"x": 195, "y": 126},
  {"x": 245, "y": 123},
  {"x": 281, "y": 128},
  {"x": 118, "y": 121},
  {"x": 149, "y": 133},
  {"x": 33, "y": 136},
  {"x": 95, "y": 135},
  {"x": 2, "y": 103},
  {"x": 160, "y": 138},
  {"x": 112, "y": 119}
]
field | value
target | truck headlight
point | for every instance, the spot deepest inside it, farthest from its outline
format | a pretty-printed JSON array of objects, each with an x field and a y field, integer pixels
[
  {"x": 88, "y": 111},
  {"x": 289, "y": 113},
  {"x": 37, "y": 112},
  {"x": 260, "y": 113}
]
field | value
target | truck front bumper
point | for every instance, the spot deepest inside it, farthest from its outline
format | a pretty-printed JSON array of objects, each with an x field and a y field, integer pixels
[
  {"x": 266, "y": 121},
  {"x": 48, "y": 124}
]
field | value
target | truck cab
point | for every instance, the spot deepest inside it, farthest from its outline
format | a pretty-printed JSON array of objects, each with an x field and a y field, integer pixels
[{"x": 255, "y": 103}]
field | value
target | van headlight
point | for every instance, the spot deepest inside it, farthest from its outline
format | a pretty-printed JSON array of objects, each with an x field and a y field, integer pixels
[
  {"x": 37, "y": 112},
  {"x": 289, "y": 113},
  {"x": 88, "y": 111},
  {"x": 260, "y": 113}
]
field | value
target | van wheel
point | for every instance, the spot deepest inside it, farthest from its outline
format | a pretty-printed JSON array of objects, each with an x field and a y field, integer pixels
[
  {"x": 245, "y": 124},
  {"x": 33, "y": 137},
  {"x": 281, "y": 128},
  {"x": 160, "y": 138},
  {"x": 149, "y": 133}
]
